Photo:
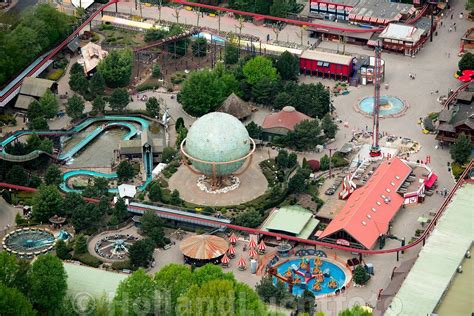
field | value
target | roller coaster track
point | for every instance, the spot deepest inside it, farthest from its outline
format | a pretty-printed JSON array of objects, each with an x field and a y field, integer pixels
[
  {"x": 421, "y": 239},
  {"x": 167, "y": 40}
]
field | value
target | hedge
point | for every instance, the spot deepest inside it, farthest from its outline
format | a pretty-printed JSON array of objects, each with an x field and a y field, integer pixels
[
  {"x": 147, "y": 86},
  {"x": 55, "y": 75}
]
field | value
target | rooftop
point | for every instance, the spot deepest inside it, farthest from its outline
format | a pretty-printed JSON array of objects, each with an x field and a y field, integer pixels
[
  {"x": 327, "y": 57},
  {"x": 287, "y": 118},
  {"x": 369, "y": 209},
  {"x": 35, "y": 87},
  {"x": 204, "y": 247},
  {"x": 235, "y": 106},
  {"x": 82, "y": 279},
  {"x": 349, "y": 3},
  {"x": 402, "y": 32},
  {"x": 439, "y": 258},
  {"x": 379, "y": 11},
  {"x": 293, "y": 219},
  {"x": 92, "y": 54}
]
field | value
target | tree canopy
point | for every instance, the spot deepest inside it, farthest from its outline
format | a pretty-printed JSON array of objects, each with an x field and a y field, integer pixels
[
  {"x": 288, "y": 66},
  {"x": 116, "y": 68},
  {"x": 47, "y": 202},
  {"x": 205, "y": 90},
  {"x": 13, "y": 302},
  {"x": 328, "y": 126},
  {"x": 259, "y": 68},
  {"x": 47, "y": 280},
  {"x": 53, "y": 175},
  {"x": 231, "y": 54},
  {"x": 135, "y": 295},
  {"x": 153, "y": 107},
  {"x": 305, "y": 136},
  {"x": 141, "y": 252},
  {"x": 125, "y": 171},
  {"x": 119, "y": 100},
  {"x": 75, "y": 107},
  {"x": 466, "y": 62},
  {"x": 461, "y": 149}
]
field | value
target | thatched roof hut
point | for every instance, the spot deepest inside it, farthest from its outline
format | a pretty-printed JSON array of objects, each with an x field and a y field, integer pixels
[{"x": 235, "y": 106}]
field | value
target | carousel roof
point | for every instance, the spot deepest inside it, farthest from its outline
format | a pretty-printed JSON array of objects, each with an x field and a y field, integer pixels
[{"x": 204, "y": 247}]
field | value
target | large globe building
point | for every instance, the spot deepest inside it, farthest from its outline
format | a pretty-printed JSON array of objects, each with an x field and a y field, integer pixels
[{"x": 217, "y": 145}]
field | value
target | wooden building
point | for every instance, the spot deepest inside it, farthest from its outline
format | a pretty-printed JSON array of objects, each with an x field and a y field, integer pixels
[
  {"x": 326, "y": 65},
  {"x": 457, "y": 119}
]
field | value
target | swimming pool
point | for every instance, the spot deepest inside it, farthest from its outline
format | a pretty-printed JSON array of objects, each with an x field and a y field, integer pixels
[
  {"x": 389, "y": 106},
  {"x": 335, "y": 273}
]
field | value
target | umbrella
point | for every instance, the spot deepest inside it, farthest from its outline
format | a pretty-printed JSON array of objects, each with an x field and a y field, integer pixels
[
  {"x": 252, "y": 243},
  {"x": 233, "y": 238},
  {"x": 231, "y": 250},
  {"x": 252, "y": 253},
  {"x": 225, "y": 259},
  {"x": 262, "y": 246},
  {"x": 242, "y": 263}
]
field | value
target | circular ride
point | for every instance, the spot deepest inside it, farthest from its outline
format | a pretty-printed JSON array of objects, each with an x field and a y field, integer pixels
[
  {"x": 115, "y": 246},
  {"x": 321, "y": 276},
  {"x": 390, "y": 106},
  {"x": 217, "y": 145},
  {"x": 27, "y": 242},
  {"x": 199, "y": 250}
]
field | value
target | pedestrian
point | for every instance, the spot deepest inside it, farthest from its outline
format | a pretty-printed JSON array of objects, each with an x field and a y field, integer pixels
[
  {"x": 452, "y": 16},
  {"x": 454, "y": 27},
  {"x": 441, "y": 23},
  {"x": 450, "y": 29},
  {"x": 461, "y": 15},
  {"x": 449, "y": 55}
]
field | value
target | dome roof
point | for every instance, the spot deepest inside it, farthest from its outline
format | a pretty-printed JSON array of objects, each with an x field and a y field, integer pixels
[{"x": 217, "y": 137}]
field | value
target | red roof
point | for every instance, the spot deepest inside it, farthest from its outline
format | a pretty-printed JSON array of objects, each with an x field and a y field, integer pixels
[
  {"x": 369, "y": 209},
  {"x": 431, "y": 180},
  {"x": 286, "y": 118}
]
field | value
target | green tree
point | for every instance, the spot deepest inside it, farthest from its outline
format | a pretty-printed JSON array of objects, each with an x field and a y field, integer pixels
[
  {"x": 99, "y": 188},
  {"x": 85, "y": 216},
  {"x": 292, "y": 160},
  {"x": 153, "y": 34},
  {"x": 328, "y": 126},
  {"x": 355, "y": 310},
  {"x": 254, "y": 130},
  {"x": 262, "y": 7},
  {"x": 154, "y": 192},
  {"x": 175, "y": 199},
  {"x": 181, "y": 135},
  {"x": 279, "y": 8},
  {"x": 120, "y": 210},
  {"x": 72, "y": 200},
  {"x": 249, "y": 218},
  {"x": 461, "y": 149},
  {"x": 324, "y": 163},
  {"x": 179, "y": 124},
  {"x": 141, "y": 252},
  {"x": 305, "y": 136},
  {"x": 360, "y": 276},
  {"x": 168, "y": 154},
  {"x": 153, "y": 107},
  {"x": 231, "y": 54},
  {"x": 98, "y": 105},
  {"x": 47, "y": 280},
  {"x": 297, "y": 183},
  {"x": 97, "y": 85},
  {"x": 264, "y": 91},
  {"x": 204, "y": 91},
  {"x": 34, "y": 111},
  {"x": 76, "y": 68},
  {"x": 156, "y": 71},
  {"x": 259, "y": 68},
  {"x": 80, "y": 246},
  {"x": 199, "y": 47},
  {"x": 172, "y": 281},
  {"x": 281, "y": 100},
  {"x": 47, "y": 202},
  {"x": 62, "y": 250},
  {"x": 8, "y": 269},
  {"x": 39, "y": 123},
  {"x": 466, "y": 62},
  {"x": 53, "y": 175},
  {"x": 305, "y": 303},
  {"x": 17, "y": 175},
  {"x": 119, "y": 100},
  {"x": 35, "y": 181},
  {"x": 288, "y": 66},
  {"x": 152, "y": 226},
  {"x": 136, "y": 294},
  {"x": 116, "y": 68},
  {"x": 13, "y": 302},
  {"x": 125, "y": 170},
  {"x": 78, "y": 83},
  {"x": 179, "y": 48},
  {"x": 49, "y": 104},
  {"x": 282, "y": 159}
]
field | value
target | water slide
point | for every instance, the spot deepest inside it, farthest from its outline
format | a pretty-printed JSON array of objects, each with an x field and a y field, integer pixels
[{"x": 110, "y": 122}]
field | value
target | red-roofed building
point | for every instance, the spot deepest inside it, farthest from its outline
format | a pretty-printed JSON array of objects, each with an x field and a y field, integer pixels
[
  {"x": 369, "y": 210},
  {"x": 279, "y": 124}
]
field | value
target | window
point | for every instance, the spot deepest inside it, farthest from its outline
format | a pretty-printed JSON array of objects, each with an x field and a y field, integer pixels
[
  {"x": 325, "y": 64},
  {"x": 378, "y": 203},
  {"x": 373, "y": 209},
  {"x": 320, "y": 63},
  {"x": 368, "y": 216},
  {"x": 364, "y": 223},
  {"x": 388, "y": 190}
]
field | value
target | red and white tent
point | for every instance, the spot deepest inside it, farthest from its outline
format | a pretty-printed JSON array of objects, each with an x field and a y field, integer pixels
[
  {"x": 252, "y": 243},
  {"x": 262, "y": 246},
  {"x": 252, "y": 253},
  {"x": 225, "y": 260},
  {"x": 233, "y": 238},
  {"x": 242, "y": 263},
  {"x": 231, "y": 250}
]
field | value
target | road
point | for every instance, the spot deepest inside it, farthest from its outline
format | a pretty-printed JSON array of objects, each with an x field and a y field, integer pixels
[{"x": 20, "y": 5}]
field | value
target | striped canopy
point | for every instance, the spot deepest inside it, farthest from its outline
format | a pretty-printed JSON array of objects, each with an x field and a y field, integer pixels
[
  {"x": 225, "y": 259},
  {"x": 252, "y": 253},
  {"x": 231, "y": 250},
  {"x": 233, "y": 238},
  {"x": 252, "y": 243},
  {"x": 242, "y": 262},
  {"x": 262, "y": 246},
  {"x": 204, "y": 247}
]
